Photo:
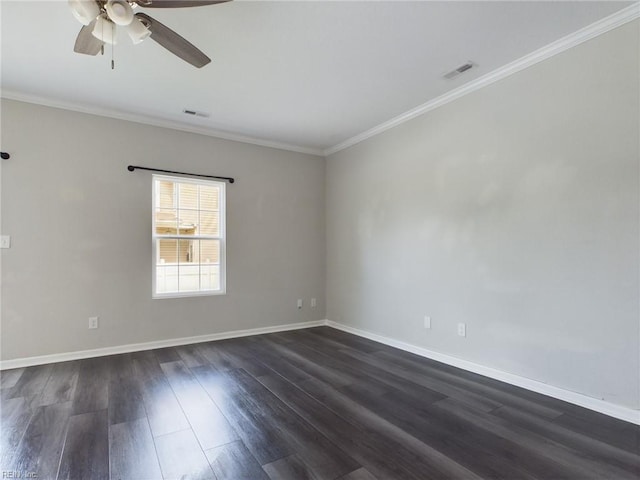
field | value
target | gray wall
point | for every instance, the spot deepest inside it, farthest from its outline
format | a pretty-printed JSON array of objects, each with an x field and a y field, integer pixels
[
  {"x": 81, "y": 233},
  {"x": 514, "y": 209}
]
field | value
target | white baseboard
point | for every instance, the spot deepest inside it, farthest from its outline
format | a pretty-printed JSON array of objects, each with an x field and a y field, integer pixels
[
  {"x": 601, "y": 406},
  {"x": 137, "y": 347}
]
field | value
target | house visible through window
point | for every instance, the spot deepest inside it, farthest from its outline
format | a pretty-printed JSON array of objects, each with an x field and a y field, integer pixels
[{"x": 188, "y": 237}]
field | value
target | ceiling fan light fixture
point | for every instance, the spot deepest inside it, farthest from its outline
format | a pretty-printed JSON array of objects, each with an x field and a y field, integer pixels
[
  {"x": 119, "y": 11},
  {"x": 85, "y": 11},
  {"x": 105, "y": 30},
  {"x": 137, "y": 31}
]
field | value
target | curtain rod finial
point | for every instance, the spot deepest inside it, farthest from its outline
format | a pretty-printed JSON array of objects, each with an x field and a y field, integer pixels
[
  {"x": 5, "y": 155},
  {"x": 131, "y": 168}
]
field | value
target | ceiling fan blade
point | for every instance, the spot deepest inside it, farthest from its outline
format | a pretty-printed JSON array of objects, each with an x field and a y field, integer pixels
[
  {"x": 173, "y": 42},
  {"x": 86, "y": 43},
  {"x": 177, "y": 3}
]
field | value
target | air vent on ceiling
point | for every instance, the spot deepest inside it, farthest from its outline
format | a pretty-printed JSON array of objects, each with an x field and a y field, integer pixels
[
  {"x": 195, "y": 113},
  {"x": 460, "y": 70}
]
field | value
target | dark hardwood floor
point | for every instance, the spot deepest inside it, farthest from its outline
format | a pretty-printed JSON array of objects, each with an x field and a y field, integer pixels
[{"x": 306, "y": 404}]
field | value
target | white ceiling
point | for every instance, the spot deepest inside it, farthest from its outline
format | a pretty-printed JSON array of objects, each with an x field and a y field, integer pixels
[{"x": 309, "y": 73}]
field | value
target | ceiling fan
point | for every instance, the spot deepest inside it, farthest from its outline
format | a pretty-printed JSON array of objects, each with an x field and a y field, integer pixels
[{"x": 100, "y": 18}]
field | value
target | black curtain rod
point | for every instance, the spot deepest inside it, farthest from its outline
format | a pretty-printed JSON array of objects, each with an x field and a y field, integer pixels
[{"x": 131, "y": 168}]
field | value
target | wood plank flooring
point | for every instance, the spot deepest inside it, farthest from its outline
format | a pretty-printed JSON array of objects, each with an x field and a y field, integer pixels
[{"x": 308, "y": 404}]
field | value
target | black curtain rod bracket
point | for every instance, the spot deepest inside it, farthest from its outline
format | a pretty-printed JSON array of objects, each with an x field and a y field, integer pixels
[
  {"x": 131, "y": 168},
  {"x": 5, "y": 155}
]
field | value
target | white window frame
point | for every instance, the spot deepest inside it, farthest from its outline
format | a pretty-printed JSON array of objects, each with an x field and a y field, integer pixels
[{"x": 222, "y": 238}]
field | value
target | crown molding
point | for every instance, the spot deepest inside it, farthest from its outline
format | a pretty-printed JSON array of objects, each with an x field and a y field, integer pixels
[
  {"x": 604, "y": 25},
  {"x": 146, "y": 120},
  {"x": 600, "y": 27}
]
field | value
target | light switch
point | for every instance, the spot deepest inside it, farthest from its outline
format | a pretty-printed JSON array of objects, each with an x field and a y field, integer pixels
[{"x": 5, "y": 241}]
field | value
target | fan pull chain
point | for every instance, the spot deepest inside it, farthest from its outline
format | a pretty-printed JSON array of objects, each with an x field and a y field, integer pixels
[
  {"x": 102, "y": 46},
  {"x": 113, "y": 46}
]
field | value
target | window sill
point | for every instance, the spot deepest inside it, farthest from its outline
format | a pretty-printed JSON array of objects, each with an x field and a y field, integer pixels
[{"x": 160, "y": 296}]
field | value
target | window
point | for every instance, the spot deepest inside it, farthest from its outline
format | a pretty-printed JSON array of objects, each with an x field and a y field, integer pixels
[{"x": 188, "y": 237}]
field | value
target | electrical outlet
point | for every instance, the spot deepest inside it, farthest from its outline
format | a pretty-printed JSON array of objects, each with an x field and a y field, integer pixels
[
  {"x": 299, "y": 303},
  {"x": 5, "y": 241},
  {"x": 462, "y": 330},
  {"x": 93, "y": 322},
  {"x": 313, "y": 303},
  {"x": 427, "y": 321}
]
